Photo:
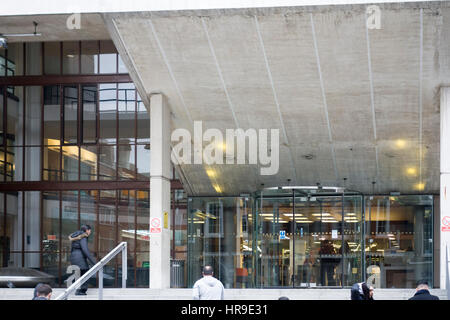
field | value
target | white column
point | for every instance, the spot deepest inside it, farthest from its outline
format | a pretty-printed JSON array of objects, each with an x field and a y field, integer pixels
[
  {"x": 445, "y": 181},
  {"x": 160, "y": 132}
]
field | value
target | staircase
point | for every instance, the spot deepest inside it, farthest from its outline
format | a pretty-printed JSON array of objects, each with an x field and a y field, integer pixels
[{"x": 230, "y": 294}]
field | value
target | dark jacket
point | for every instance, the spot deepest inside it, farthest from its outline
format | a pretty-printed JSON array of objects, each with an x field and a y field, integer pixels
[
  {"x": 423, "y": 295},
  {"x": 80, "y": 254},
  {"x": 357, "y": 292}
]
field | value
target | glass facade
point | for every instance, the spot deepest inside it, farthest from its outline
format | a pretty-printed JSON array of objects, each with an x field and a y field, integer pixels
[
  {"x": 93, "y": 131},
  {"x": 309, "y": 238}
]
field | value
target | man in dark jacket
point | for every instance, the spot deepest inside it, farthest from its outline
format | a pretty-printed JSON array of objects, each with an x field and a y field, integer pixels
[
  {"x": 43, "y": 292},
  {"x": 80, "y": 254},
  {"x": 422, "y": 292}
]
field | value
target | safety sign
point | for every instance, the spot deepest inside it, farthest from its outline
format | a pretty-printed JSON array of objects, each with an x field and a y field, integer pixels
[
  {"x": 446, "y": 223},
  {"x": 155, "y": 225}
]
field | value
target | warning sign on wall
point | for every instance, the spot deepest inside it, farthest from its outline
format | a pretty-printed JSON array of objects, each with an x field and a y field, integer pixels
[
  {"x": 445, "y": 224},
  {"x": 155, "y": 225}
]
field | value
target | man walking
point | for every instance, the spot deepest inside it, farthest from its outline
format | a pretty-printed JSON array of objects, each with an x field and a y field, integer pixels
[
  {"x": 80, "y": 254},
  {"x": 422, "y": 292},
  {"x": 208, "y": 287}
]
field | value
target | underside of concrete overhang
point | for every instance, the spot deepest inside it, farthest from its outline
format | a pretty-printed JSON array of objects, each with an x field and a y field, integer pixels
[{"x": 353, "y": 105}]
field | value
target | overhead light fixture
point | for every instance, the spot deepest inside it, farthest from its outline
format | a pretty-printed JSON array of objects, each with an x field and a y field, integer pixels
[
  {"x": 324, "y": 214},
  {"x": 217, "y": 188},
  {"x": 400, "y": 143},
  {"x": 211, "y": 173},
  {"x": 419, "y": 186},
  {"x": 411, "y": 171}
]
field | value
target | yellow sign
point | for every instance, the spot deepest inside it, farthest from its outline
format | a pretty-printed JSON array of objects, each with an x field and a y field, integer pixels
[{"x": 166, "y": 220}]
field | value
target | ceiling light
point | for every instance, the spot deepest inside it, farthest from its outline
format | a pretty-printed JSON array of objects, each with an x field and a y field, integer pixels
[
  {"x": 324, "y": 214},
  {"x": 400, "y": 143},
  {"x": 211, "y": 173},
  {"x": 217, "y": 188},
  {"x": 411, "y": 171},
  {"x": 419, "y": 186}
]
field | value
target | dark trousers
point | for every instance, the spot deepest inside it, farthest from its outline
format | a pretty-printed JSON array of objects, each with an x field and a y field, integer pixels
[
  {"x": 327, "y": 270},
  {"x": 83, "y": 288}
]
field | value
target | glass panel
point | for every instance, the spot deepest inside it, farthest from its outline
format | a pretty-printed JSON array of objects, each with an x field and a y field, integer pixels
[
  {"x": 399, "y": 240},
  {"x": 108, "y": 113},
  {"x": 88, "y": 215},
  {"x": 52, "y": 115},
  {"x": 126, "y": 164},
  {"x": 89, "y": 57},
  {"x": 107, "y": 221},
  {"x": 18, "y": 165},
  {"x": 142, "y": 238},
  {"x": 122, "y": 66},
  {"x": 127, "y": 112},
  {"x": 143, "y": 122},
  {"x": 70, "y": 114},
  {"x": 89, "y": 114},
  {"x": 33, "y": 223},
  {"x": 70, "y": 163},
  {"x": 71, "y": 57},
  {"x": 143, "y": 162},
  {"x": 51, "y": 168},
  {"x": 50, "y": 229},
  {"x": 108, "y": 56},
  {"x": 2, "y": 89},
  {"x": 2, "y": 62},
  {"x": 127, "y": 230},
  {"x": 33, "y": 163},
  {"x": 15, "y": 116},
  {"x": 34, "y": 116},
  {"x": 10, "y": 163},
  {"x": 34, "y": 58},
  {"x": 52, "y": 58},
  {"x": 107, "y": 163},
  {"x": 15, "y": 60},
  {"x": 13, "y": 219},
  {"x": 216, "y": 238},
  {"x": 69, "y": 215},
  {"x": 88, "y": 163}
]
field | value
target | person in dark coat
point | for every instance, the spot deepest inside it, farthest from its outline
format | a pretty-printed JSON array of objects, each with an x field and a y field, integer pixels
[
  {"x": 43, "y": 292},
  {"x": 360, "y": 291},
  {"x": 422, "y": 292},
  {"x": 80, "y": 254}
]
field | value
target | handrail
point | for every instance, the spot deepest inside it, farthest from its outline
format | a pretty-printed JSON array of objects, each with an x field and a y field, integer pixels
[{"x": 98, "y": 267}]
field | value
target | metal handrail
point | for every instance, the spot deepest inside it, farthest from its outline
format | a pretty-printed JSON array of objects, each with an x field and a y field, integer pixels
[{"x": 98, "y": 267}]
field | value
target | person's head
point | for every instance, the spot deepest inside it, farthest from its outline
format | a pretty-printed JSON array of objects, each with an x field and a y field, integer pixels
[
  {"x": 422, "y": 285},
  {"x": 86, "y": 228},
  {"x": 208, "y": 271},
  {"x": 44, "y": 290},
  {"x": 283, "y": 298}
]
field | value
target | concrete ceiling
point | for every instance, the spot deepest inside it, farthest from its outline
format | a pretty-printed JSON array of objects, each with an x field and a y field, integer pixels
[
  {"x": 54, "y": 28},
  {"x": 364, "y": 104}
]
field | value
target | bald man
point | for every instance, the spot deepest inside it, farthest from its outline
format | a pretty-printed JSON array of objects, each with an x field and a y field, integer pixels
[{"x": 208, "y": 287}]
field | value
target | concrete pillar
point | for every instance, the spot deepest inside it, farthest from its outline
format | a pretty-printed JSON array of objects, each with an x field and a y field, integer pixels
[
  {"x": 160, "y": 132},
  {"x": 445, "y": 182}
]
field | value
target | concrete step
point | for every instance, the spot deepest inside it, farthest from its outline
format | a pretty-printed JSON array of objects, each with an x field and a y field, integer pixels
[{"x": 230, "y": 294}]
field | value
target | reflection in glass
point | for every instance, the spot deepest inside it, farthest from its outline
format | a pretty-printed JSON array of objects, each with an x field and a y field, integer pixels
[
  {"x": 127, "y": 114},
  {"x": 89, "y": 114},
  {"x": 70, "y": 158},
  {"x": 399, "y": 240},
  {"x": 33, "y": 58},
  {"x": 108, "y": 57},
  {"x": 51, "y": 168},
  {"x": 52, "y": 58},
  {"x": 89, "y": 57},
  {"x": 143, "y": 162},
  {"x": 107, "y": 163},
  {"x": 15, "y": 116},
  {"x": 88, "y": 215},
  {"x": 52, "y": 119},
  {"x": 50, "y": 232},
  {"x": 143, "y": 122},
  {"x": 70, "y": 114},
  {"x": 69, "y": 218},
  {"x": 107, "y": 221},
  {"x": 33, "y": 116},
  {"x": 71, "y": 55},
  {"x": 108, "y": 112},
  {"x": 127, "y": 163},
  {"x": 14, "y": 64},
  {"x": 88, "y": 162}
]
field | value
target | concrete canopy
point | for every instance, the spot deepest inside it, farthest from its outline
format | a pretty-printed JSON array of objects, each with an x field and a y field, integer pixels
[{"x": 350, "y": 102}]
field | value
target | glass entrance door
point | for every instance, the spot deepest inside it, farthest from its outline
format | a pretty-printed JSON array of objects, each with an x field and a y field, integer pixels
[{"x": 308, "y": 238}]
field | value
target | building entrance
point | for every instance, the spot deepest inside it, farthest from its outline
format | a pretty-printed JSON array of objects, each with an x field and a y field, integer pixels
[{"x": 308, "y": 237}]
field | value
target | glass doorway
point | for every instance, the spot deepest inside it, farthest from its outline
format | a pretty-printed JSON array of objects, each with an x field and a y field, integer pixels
[{"x": 308, "y": 237}]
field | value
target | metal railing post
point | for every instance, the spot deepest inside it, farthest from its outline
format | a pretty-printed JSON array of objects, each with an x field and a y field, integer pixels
[
  {"x": 100, "y": 284},
  {"x": 124, "y": 266}
]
